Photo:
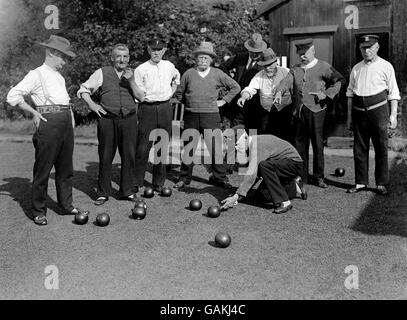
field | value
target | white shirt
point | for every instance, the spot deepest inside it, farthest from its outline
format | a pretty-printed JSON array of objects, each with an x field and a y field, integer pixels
[
  {"x": 203, "y": 74},
  {"x": 94, "y": 82},
  {"x": 156, "y": 79},
  {"x": 311, "y": 64},
  {"x": 31, "y": 85},
  {"x": 371, "y": 78},
  {"x": 266, "y": 86}
]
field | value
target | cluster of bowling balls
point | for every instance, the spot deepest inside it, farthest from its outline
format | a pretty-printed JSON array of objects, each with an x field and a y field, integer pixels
[{"x": 139, "y": 212}]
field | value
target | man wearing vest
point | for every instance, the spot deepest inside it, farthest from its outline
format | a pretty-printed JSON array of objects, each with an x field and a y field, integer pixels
[
  {"x": 372, "y": 84},
  {"x": 53, "y": 139},
  {"x": 117, "y": 122},
  {"x": 311, "y": 83},
  {"x": 159, "y": 79}
]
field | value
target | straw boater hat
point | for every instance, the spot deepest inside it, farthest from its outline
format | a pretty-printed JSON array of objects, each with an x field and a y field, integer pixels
[
  {"x": 268, "y": 57},
  {"x": 255, "y": 43},
  {"x": 59, "y": 43},
  {"x": 205, "y": 48}
]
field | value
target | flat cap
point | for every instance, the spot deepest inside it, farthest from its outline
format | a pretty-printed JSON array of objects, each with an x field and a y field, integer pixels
[{"x": 304, "y": 45}]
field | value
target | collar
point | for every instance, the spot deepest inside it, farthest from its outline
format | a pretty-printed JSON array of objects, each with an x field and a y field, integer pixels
[
  {"x": 372, "y": 61},
  {"x": 310, "y": 64}
]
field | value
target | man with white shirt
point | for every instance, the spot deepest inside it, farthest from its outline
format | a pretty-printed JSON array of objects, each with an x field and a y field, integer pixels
[
  {"x": 311, "y": 83},
  {"x": 372, "y": 83},
  {"x": 53, "y": 139},
  {"x": 265, "y": 83},
  {"x": 159, "y": 79},
  {"x": 117, "y": 121}
]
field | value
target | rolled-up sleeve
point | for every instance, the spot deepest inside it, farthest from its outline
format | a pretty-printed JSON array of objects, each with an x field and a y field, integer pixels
[
  {"x": 176, "y": 76},
  {"x": 351, "y": 85},
  {"x": 24, "y": 87},
  {"x": 253, "y": 86},
  {"x": 94, "y": 82},
  {"x": 394, "y": 93}
]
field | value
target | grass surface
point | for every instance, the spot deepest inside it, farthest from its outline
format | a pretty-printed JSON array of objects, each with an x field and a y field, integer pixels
[{"x": 168, "y": 255}]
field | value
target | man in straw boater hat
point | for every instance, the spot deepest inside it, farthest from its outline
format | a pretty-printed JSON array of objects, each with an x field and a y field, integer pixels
[
  {"x": 199, "y": 91},
  {"x": 273, "y": 160},
  {"x": 372, "y": 84},
  {"x": 272, "y": 118},
  {"x": 311, "y": 83},
  {"x": 245, "y": 66},
  {"x": 53, "y": 139}
]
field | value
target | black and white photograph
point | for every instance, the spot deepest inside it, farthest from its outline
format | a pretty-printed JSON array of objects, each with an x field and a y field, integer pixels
[{"x": 203, "y": 155}]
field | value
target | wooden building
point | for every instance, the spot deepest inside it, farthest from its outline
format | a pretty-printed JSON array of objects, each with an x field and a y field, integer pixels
[{"x": 335, "y": 26}]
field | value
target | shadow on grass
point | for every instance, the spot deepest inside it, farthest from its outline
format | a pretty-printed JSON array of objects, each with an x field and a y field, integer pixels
[
  {"x": 20, "y": 190},
  {"x": 387, "y": 215}
]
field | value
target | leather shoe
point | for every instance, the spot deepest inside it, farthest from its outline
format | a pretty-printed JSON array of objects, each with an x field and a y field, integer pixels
[
  {"x": 41, "y": 220},
  {"x": 382, "y": 190},
  {"x": 158, "y": 189},
  {"x": 180, "y": 184},
  {"x": 356, "y": 190},
  {"x": 77, "y": 210},
  {"x": 303, "y": 195},
  {"x": 220, "y": 183},
  {"x": 321, "y": 183},
  {"x": 100, "y": 201},
  {"x": 282, "y": 209},
  {"x": 132, "y": 198}
]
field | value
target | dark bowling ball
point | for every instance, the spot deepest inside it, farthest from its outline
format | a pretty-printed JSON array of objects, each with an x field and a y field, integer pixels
[
  {"x": 140, "y": 204},
  {"x": 166, "y": 192},
  {"x": 102, "y": 219},
  {"x": 222, "y": 239},
  {"x": 195, "y": 204},
  {"x": 138, "y": 213},
  {"x": 148, "y": 192},
  {"x": 339, "y": 172},
  {"x": 213, "y": 211},
  {"x": 81, "y": 218}
]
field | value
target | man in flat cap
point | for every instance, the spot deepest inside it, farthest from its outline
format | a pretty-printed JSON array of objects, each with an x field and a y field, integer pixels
[
  {"x": 245, "y": 66},
  {"x": 199, "y": 91},
  {"x": 311, "y": 83},
  {"x": 275, "y": 118},
  {"x": 159, "y": 79},
  {"x": 117, "y": 121},
  {"x": 372, "y": 84},
  {"x": 53, "y": 139}
]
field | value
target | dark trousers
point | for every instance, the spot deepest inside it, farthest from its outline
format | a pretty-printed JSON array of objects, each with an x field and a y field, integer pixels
[
  {"x": 371, "y": 124},
  {"x": 116, "y": 132},
  {"x": 152, "y": 116},
  {"x": 310, "y": 126},
  {"x": 276, "y": 174},
  {"x": 232, "y": 114},
  {"x": 53, "y": 142},
  {"x": 200, "y": 122}
]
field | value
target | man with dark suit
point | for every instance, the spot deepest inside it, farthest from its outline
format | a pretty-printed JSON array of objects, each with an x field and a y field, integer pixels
[{"x": 245, "y": 67}]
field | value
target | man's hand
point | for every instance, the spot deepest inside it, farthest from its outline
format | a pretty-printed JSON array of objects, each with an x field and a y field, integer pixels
[
  {"x": 220, "y": 103},
  {"x": 241, "y": 101},
  {"x": 393, "y": 121},
  {"x": 277, "y": 98},
  {"x": 128, "y": 74},
  {"x": 320, "y": 95},
  {"x": 97, "y": 109},
  {"x": 229, "y": 202},
  {"x": 37, "y": 117},
  {"x": 349, "y": 123}
]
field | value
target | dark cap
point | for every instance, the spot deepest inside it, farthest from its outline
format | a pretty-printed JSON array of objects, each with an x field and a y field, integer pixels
[
  {"x": 156, "y": 44},
  {"x": 304, "y": 45},
  {"x": 368, "y": 40}
]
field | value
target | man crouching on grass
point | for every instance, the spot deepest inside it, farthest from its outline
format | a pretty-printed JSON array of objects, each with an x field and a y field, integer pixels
[{"x": 273, "y": 160}]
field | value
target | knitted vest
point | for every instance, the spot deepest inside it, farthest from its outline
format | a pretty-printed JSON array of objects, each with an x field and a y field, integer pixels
[{"x": 115, "y": 94}]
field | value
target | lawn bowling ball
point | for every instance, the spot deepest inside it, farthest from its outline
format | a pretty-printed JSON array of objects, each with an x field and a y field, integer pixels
[
  {"x": 213, "y": 211},
  {"x": 102, "y": 219},
  {"x": 222, "y": 239},
  {"x": 148, "y": 192},
  {"x": 195, "y": 204},
  {"x": 140, "y": 204},
  {"x": 339, "y": 172},
  {"x": 138, "y": 213},
  {"x": 166, "y": 192},
  {"x": 81, "y": 218}
]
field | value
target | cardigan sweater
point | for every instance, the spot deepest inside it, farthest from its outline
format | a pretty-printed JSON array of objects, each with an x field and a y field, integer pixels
[
  {"x": 199, "y": 94},
  {"x": 320, "y": 78}
]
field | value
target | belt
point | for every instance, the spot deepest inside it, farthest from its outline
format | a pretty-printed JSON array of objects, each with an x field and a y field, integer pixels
[
  {"x": 53, "y": 108},
  {"x": 371, "y": 107},
  {"x": 154, "y": 102}
]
